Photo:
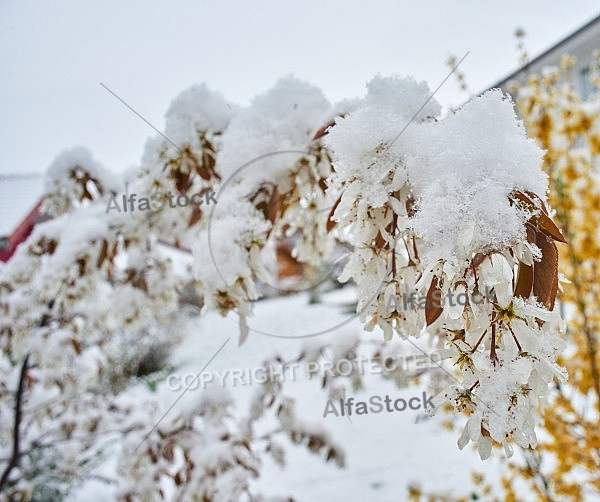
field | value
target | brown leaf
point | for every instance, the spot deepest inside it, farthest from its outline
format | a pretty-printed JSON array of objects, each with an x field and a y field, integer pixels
[
  {"x": 208, "y": 161},
  {"x": 207, "y": 170},
  {"x": 531, "y": 233},
  {"x": 380, "y": 242},
  {"x": 103, "y": 253},
  {"x": 544, "y": 222},
  {"x": 274, "y": 206},
  {"x": 168, "y": 452},
  {"x": 81, "y": 263},
  {"x": 178, "y": 479},
  {"x": 323, "y": 184},
  {"x": 182, "y": 180},
  {"x": 478, "y": 260},
  {"x": 85, "y": 195},
  {"x": 323, "y": 131},
  {"x": 45, "y": 246},
  {"x": 549, "y": 227},
  {"x": 534, "y": 196},
  {"x": 76, "y": 345},
  {"x": 331, "y": 223},
  {"x": 433, "y": 304},
  {"x": 288, "y": 265},
  {"x": 411, "y": 207},
  {"x": 524, "y": 284},
  {"x": 545, "y": 272},
  {"x": 195, "y": 216},
  {"x": 203, "y": 173},
  {"x": 524, "y": 199}
]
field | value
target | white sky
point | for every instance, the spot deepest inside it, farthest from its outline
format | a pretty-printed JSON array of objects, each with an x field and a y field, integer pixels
[{"x": 53, "y": 56}]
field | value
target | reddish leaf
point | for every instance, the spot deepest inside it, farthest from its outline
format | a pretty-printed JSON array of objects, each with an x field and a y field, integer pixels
[
  {"x": 524, "y": 199},
  {"x": 76, "y": 345},
  {"x": 478, "y": 259},
  {"x": 323, "y": 184},
  {"x": 549, "y": 227},
  {"x": 411, "y": 208},
  {"x": 323, "y": 131},
  {"x": 288, "y": 265},
  {"x": 331, "y": 223},
  {"x": 195, "y": 216},
  {"x": 531, "y": 233},
  {"x": 168, "y": 452},
  {"x": 544, "y": 222},
  {"x": 379, "y": 240},
  {"x": 524, "y": 284},
  {"x": 274, "y": 206},
  {"x": 534, "y": 196},
  {"x": 433, "y": 304},
  {"x": 545, "y": 272},
  {"x": 103, "y": 253}
]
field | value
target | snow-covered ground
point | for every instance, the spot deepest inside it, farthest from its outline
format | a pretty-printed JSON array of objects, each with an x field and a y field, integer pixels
[{"x": 385, "y": 452}]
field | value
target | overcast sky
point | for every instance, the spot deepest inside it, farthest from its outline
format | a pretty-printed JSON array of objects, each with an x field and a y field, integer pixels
[{"x": 54, "y": 54}]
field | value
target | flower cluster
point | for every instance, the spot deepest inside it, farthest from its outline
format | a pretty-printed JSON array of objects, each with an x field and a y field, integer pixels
[{"x": 455, "y": 207}]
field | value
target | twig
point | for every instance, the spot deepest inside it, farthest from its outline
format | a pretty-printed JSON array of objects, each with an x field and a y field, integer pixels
[
  {"x": 478, "y": 342},
  {"x": 514, "y": 337},
  {"x": 14, "y": 460},
  {"x": 394, "y": 219},
  {"x": 493, "y": 356}
]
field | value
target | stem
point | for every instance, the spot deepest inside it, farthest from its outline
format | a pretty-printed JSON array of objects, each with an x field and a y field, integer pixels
[
  {"x": 415, "y": 248},
  {"x": 514, "y": 337},
  {"x": 475, "y": 275},
  {"x": 394, "y": 219},
  {"x": 14, "y": 460},
  {"x": 478, "y": 342},
  {"x": 493, "y": 355}
]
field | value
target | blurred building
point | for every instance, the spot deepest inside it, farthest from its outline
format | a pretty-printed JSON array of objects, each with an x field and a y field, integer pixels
[
  {"x": 21, "y": 197},
  {"x": 581, "y": 43}
]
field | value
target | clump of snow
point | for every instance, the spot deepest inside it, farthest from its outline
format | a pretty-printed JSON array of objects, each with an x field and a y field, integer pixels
[
  {"x": 462, "y": 170},
  {"x": 401, "y": 96},
  {"x": 197, "y": 109},
  {"x": 359, "y": 139},
  {"x": 232, "y": 233},
  {"x": 64, "y": 184},
  {"x": 286, "y": 117},
  {"x": 78, "y": 156}
]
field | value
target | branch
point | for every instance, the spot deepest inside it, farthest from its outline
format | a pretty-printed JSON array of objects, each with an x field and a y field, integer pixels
[{"x": 14, "y": 460}]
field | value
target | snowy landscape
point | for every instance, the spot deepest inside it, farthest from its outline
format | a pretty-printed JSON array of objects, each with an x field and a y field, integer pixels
[
  {"x": 380, "y": 465},
  {"x": 294, "y": 298}
]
